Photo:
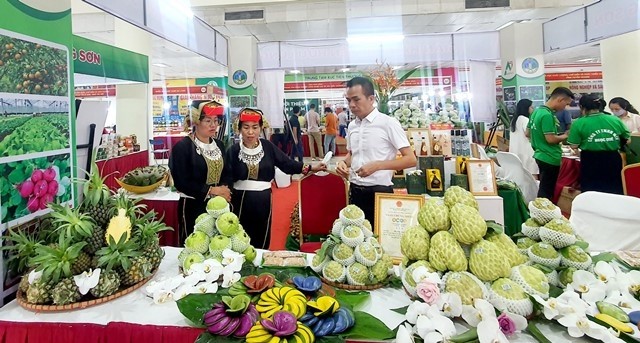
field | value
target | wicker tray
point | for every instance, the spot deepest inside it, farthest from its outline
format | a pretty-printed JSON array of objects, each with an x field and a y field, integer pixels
[
  {"x": 22, "y": 301},
  {"x": 352, "y": 287}
]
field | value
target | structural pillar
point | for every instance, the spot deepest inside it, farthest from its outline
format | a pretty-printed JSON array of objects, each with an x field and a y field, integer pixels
[
  {"x": 522, "y": 56},
  {"x": 621, "y": 67},
  {"x": 133, "y": 101},
  {"x": 243, "y": 57}
]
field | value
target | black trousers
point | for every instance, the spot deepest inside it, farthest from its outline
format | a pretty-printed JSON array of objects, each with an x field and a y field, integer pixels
[
  {"x": 188, "y": 211},
  {"x": 548, "y": 179},
  {"x": 600, "y": 171},
  {"x": 253, "y": 208},
  {"x": 365, "y": 198}
]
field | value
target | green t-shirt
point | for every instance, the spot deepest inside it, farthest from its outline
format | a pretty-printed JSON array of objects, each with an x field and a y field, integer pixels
[
  {"x": 544, "y": 121},
  {"x": 598, "y": 132}
]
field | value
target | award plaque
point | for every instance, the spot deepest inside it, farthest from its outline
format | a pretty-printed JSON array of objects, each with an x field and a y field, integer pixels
[
  {"x": 482, "y": 178},
  {"x": 394, "y": 213}
]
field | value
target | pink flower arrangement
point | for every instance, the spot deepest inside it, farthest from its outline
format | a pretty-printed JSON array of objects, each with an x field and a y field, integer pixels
[
  {"x": 507, "y": 325},
  {"x": 428, "y": 291}
]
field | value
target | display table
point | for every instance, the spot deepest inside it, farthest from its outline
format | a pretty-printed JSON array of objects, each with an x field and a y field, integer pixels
[
  {"x": 135, "y": 318},
  {"x": 569, "y": 176},
  {"x": 169, "y": 140},
  {"x": 118, "y": 166},
  {"x": 165, "y": 203}
]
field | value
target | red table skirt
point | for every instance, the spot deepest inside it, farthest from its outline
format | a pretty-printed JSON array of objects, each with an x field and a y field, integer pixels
[
  {"x": 169, "y": 143},
  {"x": 169, "y": 211},
  {"x": 117, "y": 167},
  {"x": 13, "y": 332},
  {"x": 569, "y": 176},
  {"x": 340, "y": 149}
]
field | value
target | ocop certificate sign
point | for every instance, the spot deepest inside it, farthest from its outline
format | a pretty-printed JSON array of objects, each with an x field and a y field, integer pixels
[{"x": 394, "y": 213}]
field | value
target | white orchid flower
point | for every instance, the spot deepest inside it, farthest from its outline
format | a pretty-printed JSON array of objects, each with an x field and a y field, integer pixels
[
  {"x": 212, "y": 270},
  {"x": 622, "y": 299},
  {"x": 34, "y": 276},
  {"x": 229, "y": 277},
  {"x": 195, "y": 277},
  {"x": 489, "y": 331},
  {"x": 422, "y": 273},
  {"x": 405, "y": 334},
  {"x": 450, "y": 304},
  {"x": 183, "y": 291},
  {"x": 629, "y": 282},
  {"x": 434, "y": 329},
  {"x": 162, "y": 295},
  {"x": 232, "y": 259},
  {"x": 604, "y": 271},
  {"x": 552, "y": 307},
  {"x": 579, "y": 325},
  {"x": 574, "y": 303},
  {"x": 480, "y": 311},
  {"x": 175, "y": 282},
  {"x": 206, "y": 287},
  {"x": 87, "y": 280},
  {"x": 611, "y": 336},
  {"x": 195, "y": 268},
  {"x": 416, "y": 309},
  {"x": 590, "y": 288}
]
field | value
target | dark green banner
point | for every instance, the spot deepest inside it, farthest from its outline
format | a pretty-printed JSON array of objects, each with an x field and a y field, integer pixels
[{"x": 98, "y": 59}]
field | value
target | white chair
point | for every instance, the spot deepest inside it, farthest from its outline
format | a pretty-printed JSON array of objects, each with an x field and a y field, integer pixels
[
  {"x": 513, "y": 170},
  {"x": 609, "y": 222},
  {"x": 282, "y": 180}
]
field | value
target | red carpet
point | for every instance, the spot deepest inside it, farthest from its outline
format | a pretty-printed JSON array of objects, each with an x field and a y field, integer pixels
[{"x": 283, "y": 201}]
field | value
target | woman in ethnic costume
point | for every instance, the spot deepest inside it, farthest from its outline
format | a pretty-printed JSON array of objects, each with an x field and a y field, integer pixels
[
  {"x": 252, "y": 164},
  {"x": 197, "y": 164}
]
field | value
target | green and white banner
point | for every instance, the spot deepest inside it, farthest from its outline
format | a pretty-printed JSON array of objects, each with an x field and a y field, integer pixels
[
  {"x": 98, "y": 59},
  {"x": 37, "y": 111}
]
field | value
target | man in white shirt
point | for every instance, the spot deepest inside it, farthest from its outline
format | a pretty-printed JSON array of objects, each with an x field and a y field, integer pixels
[
  {"x": 313, "y": 130},
  {"x": 342, "y": 122},
  {"x": 373, "y": 142}
]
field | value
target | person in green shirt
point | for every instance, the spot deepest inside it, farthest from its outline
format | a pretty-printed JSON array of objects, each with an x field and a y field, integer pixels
[
  {"x": 599, "y": 137},
  {"x": 542, "y": 130}
]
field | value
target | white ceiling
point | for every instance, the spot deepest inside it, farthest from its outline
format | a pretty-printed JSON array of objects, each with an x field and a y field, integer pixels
[{"x": 286, "y": 20}]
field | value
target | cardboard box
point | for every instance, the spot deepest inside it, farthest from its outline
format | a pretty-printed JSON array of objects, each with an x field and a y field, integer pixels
[{"x": 566, "y": 199}]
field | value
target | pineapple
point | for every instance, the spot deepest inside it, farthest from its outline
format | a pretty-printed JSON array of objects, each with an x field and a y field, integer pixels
[
  {"x": 81, "y": 264},
  {"x": 108, "y": 284},
  {"x": 39, "y": 292},
  {"x": 21, "y": 246},
  {"x": 65, "y": 292},
  {"x": 119, "y": 226},
  {"x": 146, "y": 233},
  {"x": 58, "y": 261},
  {"x": 24, "y": 284},
  {"x": 139, "y": 270},
  {"x": 131, "y": 206},
  {"x": 119, "y": 256},
  {"x": 75, "y": 224},
  {"x": 96, "y": 198}
]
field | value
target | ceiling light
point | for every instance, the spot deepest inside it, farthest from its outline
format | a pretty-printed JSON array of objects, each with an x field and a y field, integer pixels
[
  {"x": 376, "y": 39},
  {"x": 160, "y": 65},
  {"x": 344, "y": 70},
  {"x": 586, "y": 60},
  {"x": 505, "y": 25},
  {"x": 396, "y": 67},
  {"x": 295, "y": 71}
]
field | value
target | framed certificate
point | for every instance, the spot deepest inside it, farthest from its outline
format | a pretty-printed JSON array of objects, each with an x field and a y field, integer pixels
[
  {"x": 394, "y": 213},
  {"x": 482, "y": 177}
]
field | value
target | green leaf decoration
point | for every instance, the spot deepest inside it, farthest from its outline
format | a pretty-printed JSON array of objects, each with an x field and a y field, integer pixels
[
  {"x": 394, "y": 282},
  {"x": 330, "y": 339},
  {"x": 536, "y": 333},
  {"x": 194, "y": 306},
  {"x": 368, "y": 327},
  {"x": 352, "y": 299},
  {"x": 555, "y": 291},
  {"x": 467, "y": 336},
  {"x": 206, "y": 337},
  {"x": 401, "y": 310},
  {"x": 495, "y": 226},
  {"x": 605, "y": 256},
  {"x": 582, "y": 244}
]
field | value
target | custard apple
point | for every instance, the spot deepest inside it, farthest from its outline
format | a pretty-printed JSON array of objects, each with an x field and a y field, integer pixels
[
  {"x": 531, "y": 279},
  {"x": 544, "y": 254},
  {"x": 466, "y": 285},
  {"x": 574, "y": 256},
  {"x": 357, "y": 274},
  {"x": 468, "y": 225},
  {"x": 446, "y": 253},
  {"x": 343, "y": 254},
  {"x": 487, "y": 262},
  {"x": 380, "y": 271},
  {"x": 523, "y": 244},
  {"x": 414, "y": 243},
  {"x": 565, "y": 276},
  {"x": 508, "y": 247},
  {"x": 334, "y": 272},
  {"x": 458, "y": 195},
  {"x": 531, "y": 229},
  {"x": 506, "y": 295},
  {"x": 551, "y": 274},
  {"x": 352, "y": 235},
  {"x": 542, "y": 211},
  {"x": 317, "y": 264},
  {"x": 543, "y": 204},
  {"x": 434, "y": 216},
  {"x": 366, "y": 254},
  {"x": 352, "y": 215},
  {"x": 407, "y": 275}
]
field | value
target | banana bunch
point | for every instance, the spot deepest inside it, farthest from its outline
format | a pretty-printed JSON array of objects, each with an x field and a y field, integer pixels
[
  {"x": 282, "y": 299},
  {"x": 260, "y": 334},
  {"x": 339, "y": 322}
]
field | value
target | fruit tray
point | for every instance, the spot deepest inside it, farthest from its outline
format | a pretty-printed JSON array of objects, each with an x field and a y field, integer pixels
[
  {"x": 141, "y": 189},
  {"x": 352, "y": 287},
  {"x": 22, "y": 300}
]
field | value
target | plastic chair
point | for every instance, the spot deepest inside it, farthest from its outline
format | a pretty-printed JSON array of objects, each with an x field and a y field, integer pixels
[
  {"x": 631, "y": 180},
  {"x": 163, "y": 151},
  {"x": 322, "y": 196},
  {"x": 609, "y": 222},
  {"x": 513, "y": 170}
]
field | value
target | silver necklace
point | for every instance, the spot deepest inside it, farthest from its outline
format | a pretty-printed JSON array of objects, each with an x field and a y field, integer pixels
[
  {"x": 209, "y": 151},
  {"x": 251, "y": 156}
]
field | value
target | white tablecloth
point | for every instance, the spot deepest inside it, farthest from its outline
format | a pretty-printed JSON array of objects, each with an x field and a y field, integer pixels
[{"x": 137, "y": 308}]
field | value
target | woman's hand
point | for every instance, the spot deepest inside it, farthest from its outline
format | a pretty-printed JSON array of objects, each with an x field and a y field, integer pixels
[
  {"x": 342, "y": 169},
  {"x": 222, "y": 191},
  {"x": 319, "y": 167}
]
